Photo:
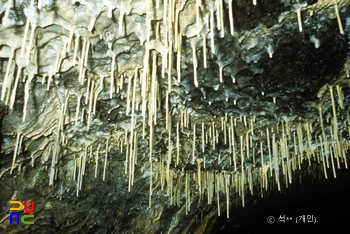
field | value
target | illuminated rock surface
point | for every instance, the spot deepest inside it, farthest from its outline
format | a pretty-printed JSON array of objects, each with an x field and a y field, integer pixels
[{"x": 158, "y": 116}]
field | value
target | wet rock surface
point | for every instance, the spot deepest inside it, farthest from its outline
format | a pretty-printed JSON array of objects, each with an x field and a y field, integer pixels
[{"x": 158, "y": 117}]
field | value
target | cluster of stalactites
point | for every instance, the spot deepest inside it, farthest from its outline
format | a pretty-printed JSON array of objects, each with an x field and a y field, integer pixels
[
  {"x": 165, "y": 44},
  {"x": 282, "y": 148},
  {"x": 264, "y": 154},
  {"x": 271, "y": 160}
]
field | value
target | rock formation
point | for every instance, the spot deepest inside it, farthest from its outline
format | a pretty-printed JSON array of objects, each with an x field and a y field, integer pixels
[{"x": 146, "y": 116}]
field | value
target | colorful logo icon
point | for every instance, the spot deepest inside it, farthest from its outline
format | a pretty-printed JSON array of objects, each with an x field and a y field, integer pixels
[{"x": 17, "y": 206}]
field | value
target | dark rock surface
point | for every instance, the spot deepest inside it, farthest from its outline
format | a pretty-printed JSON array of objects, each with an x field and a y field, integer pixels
[{"x": 162, "y": 116}]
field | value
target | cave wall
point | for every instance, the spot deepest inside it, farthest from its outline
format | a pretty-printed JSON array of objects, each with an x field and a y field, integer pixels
[{"x": 157, "y": 117}]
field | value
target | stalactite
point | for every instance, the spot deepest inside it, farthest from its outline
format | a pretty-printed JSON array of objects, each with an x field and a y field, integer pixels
[
  {"x": 336, "y": 9},
  {"x": 86, "y": 54},
  {"x": 165, "y": 53},
  {"x": 194, "y": 60},
  {"x": 213, "y": 134},
  {"x": 112, "y": 78},
  {"x": 212, "y": 29},
  {"x": 17, "y": 149},
  {"x": 194, "y": 143},
  {"x": 247, "y": 144},
  {"x": 203, "y": 142},
  {"x": 198, "y": 25},
  {"x": 145, "y": 64},
  {"x": 276, "y": 160},
  {"x": 169, "y": 152},
  {"x": 220, "y": 73},
  {"x": 170, "y": 65},
  {"x": 187, "y": 192},
  {"x": 6, "y": 85},
  {"x": 90, "y": 103},
  {"x": 233, "y": 145},
  {"x": 230, "y": 143},
  {"x": 52, "y": 168},
  {"x": 26, "y": 96},
  {"x": 300, "y": 22},
  {"x": 75, "y": 169},
  {"x": 13, "y": 94},
  {"x": 333, "y": 154},
  {"x": 217, "y": 192},
  {"x": 128, "y": 97},
  {"x": 150, "y": 187},
  {"x": 31, "y": 37},
  {"x": 221, "y": 13},
  {"x": 105, "y": 163},
  {"x": 9, "y": 5},
  {"x": 29, "y": 16},
  {"x": 83, "y": 167},
  {"x": 242, "y": 155},
  {"x": 129, "y": 154},
  {"x": 121, "y": 19},
  {"x": 66, "y": 95},
  {"x": 76, "y": 45},
  {"x": 337, "y": 147},
  {"x": 87, "y": 91},
  {"x": 310, "y": 149},
  {"x": 231, "y": 17},
  {"x": 110, "y": 12},
  {"x": 134, "y": 159},
  {"x": 81, "y": 62},
  {"x": 177, "y": 143},
  {"x": 153, "y": 91},
  {"x": 199, "y": 175},
  {"x": 178, "y": 61},
  {"x": 224, "y": 129},
  {"x": 227, "y": 191},
  {"x": 209, "y": 187},
  {"x": 71, "y": 33},
  {"x": 340, "y": 96},
  {"x": 262, "y": 156},
  {"x": 79, "y": 95},
  {"x": 79, "y": 176},
  {"x": 269, "y": 150},
  {"x": 250, "y": 180},
  {"x": 178, "y": 191},
  {"x": 204, "y": 42},
  {"x": 96, "y": 159}
]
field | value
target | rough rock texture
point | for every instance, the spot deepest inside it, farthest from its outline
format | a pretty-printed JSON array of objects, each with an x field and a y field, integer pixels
[{"x": 158, "y": 116}]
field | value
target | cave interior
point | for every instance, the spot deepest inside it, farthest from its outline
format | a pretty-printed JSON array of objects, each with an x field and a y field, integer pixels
[{"x": 174, "y": 116}]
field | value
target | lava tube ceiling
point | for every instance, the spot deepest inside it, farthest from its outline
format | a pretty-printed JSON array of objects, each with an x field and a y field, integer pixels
[{"x": 173, "y": 116}]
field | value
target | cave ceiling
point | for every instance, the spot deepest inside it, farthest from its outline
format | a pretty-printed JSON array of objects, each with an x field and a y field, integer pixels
[{"x": 136, "y": 116}]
